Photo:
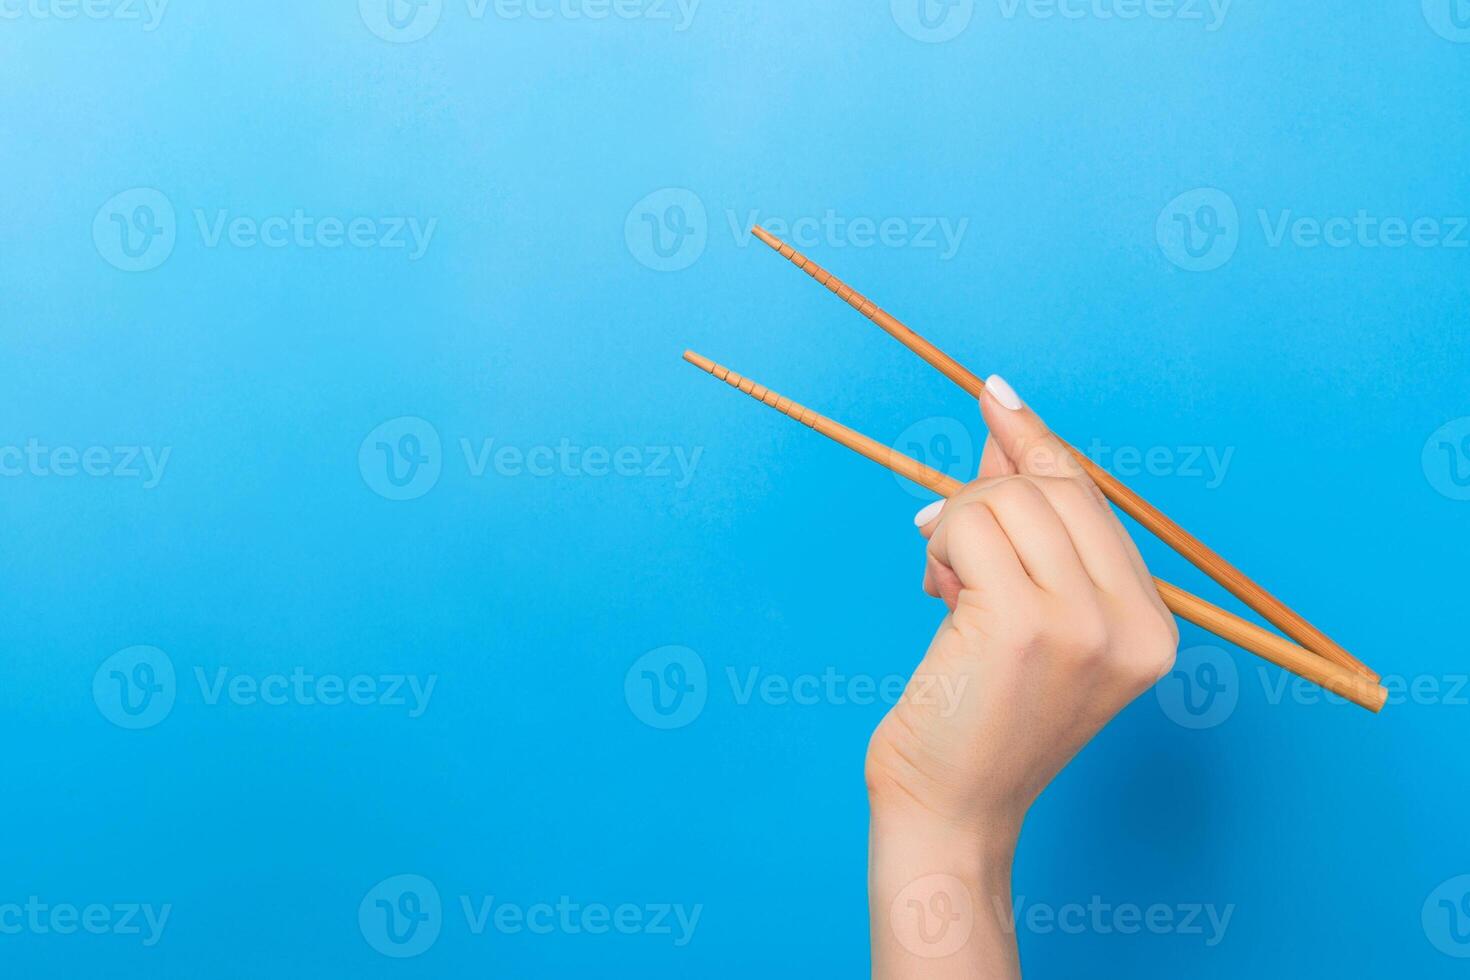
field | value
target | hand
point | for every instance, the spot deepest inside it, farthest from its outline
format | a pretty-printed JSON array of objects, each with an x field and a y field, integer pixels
[{"x": 1054, "y": 626}]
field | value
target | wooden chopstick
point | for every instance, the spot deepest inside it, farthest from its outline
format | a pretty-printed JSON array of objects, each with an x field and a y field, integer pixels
[
  {"x": 1247, "y": 635},
  {"x": 1232, "y": 578}
]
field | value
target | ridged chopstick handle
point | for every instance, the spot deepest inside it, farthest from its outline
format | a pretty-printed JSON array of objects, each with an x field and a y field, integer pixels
[
  {"x": 759, "y": 392},
  {"x": 841, "y": 289}
]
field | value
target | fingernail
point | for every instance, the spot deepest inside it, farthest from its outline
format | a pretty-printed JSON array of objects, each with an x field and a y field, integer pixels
[
  {"x": 1003, "y": 392},
  {"x": 928, "y": 513}
]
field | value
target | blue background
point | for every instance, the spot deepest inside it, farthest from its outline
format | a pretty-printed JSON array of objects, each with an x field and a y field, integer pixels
[{"x": 534, "y": 317}]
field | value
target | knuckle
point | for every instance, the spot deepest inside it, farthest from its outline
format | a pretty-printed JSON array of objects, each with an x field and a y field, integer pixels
[
  {"x": 1023, "y": 626},
  {"x": 1014, "y": 490},
  {"x": 1077, "y": 489},
  {"x": 981, "y": 487},
  {"x": 966, "y": 523},
  {"x": 1080, "y": 633},
  {"x": 1084, "y": 489},
  {"x": 1165, "y": 645},
  {"x": 1171, "y": 629},
  {"x": 1152, "y": 650}
]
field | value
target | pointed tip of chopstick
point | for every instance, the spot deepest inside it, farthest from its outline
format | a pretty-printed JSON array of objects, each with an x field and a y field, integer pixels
[
  {"x": 766, "y": 237},
  {"x": 791, "y": 255},
  {"x": 759, "y": 392},
  {"x": 946, "y": 365},
  {"x": 700, "y": 361}
]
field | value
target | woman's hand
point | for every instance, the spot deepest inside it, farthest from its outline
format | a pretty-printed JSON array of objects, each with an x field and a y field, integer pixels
[{"x": 1054, "y": 626}]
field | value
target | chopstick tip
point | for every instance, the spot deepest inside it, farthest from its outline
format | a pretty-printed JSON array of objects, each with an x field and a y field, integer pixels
[
  {"x": 766, "y": 237},
  {"x": 699, "y": 361}
]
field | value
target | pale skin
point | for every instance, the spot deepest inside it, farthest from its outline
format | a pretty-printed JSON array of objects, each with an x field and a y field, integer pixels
[{"x": 1053, "y": 627}]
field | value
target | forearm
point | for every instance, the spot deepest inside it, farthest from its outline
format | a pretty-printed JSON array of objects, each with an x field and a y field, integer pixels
[{"x": 940, "y": 901}]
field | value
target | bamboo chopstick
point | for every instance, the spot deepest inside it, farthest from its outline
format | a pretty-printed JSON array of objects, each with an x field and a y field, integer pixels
[
  {"x": 1247, "y": 635},
  {"x": 1232, "y": 578}
]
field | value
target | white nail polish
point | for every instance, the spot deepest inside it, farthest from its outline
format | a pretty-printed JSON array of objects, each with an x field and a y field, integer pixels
[
  {"x": 1003, "y": 392},
  {"x": 928, "y": 513}
]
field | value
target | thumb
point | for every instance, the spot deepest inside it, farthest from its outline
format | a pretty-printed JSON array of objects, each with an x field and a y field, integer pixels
[{"x": 1019, "y": 433}]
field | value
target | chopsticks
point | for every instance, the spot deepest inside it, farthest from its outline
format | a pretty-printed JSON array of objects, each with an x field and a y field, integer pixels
[
  {"x": 1267, "y": 645},
  {"x": 1212, "y": 564}
]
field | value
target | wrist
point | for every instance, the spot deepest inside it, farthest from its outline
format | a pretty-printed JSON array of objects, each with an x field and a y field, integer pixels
[
  {"x": 940, "y": 895},
  {"x": 987, "y": 834},
  {"x": 981, "y": 851}
]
